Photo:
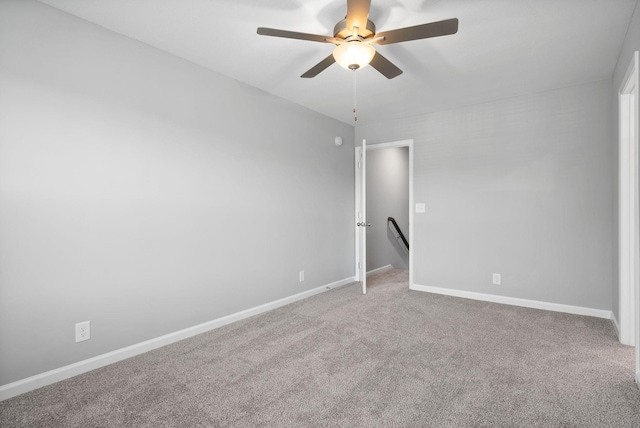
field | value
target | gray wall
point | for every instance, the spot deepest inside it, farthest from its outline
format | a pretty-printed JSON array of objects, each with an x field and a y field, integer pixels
[
  {"x": 387, "y": 196},
  {"x": 147, "y": 194},
  {"x": 631, "y": 44},
  {"x": 521, "y": 187}
]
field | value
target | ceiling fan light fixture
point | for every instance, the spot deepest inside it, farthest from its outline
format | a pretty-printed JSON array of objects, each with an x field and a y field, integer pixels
[{"x": 354, "y": 55}]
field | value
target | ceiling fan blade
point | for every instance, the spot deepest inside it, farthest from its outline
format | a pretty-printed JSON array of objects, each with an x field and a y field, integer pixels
[
  {"x": 384, "y": 66},
  {"x": 319, "y": 67},
  {"x": 424, "y": 31},
  {"x": 294, "y": 35},
  {"x": 357, "y": 13}
]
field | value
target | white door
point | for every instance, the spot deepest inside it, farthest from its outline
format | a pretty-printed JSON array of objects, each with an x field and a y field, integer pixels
[{"x": 361, "y": 215}]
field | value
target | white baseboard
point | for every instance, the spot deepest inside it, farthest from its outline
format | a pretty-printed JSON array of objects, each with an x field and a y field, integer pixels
[
  {"x": 514, "y": 301},
  {"x": 380, "y": 269},
  {"x": 25, "y": 385}
]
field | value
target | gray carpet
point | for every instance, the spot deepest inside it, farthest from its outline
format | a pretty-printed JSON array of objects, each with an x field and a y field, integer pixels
[{"x": 392, "y": 358}]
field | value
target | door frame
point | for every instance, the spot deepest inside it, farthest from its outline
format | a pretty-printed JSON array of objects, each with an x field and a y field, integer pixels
[
  {"x": 628, "y": 209},
  {"x": 358, "y": 195}
]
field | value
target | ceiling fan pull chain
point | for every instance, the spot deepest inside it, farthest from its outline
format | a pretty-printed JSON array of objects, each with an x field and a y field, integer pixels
[{"x": 355, "y": 98}]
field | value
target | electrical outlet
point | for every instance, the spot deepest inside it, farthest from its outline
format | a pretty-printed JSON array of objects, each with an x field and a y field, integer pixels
[
  {"x": 83, "y": 331},
  {"x": 301, "y": 276},
  {"x": 497, "y": 279}
]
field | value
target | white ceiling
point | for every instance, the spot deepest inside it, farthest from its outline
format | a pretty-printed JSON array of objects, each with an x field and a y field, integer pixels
[{"x": 503, "y": 47}]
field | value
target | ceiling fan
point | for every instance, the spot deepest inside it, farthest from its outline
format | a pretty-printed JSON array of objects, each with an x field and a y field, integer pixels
[{"x": 354, "y": 35}]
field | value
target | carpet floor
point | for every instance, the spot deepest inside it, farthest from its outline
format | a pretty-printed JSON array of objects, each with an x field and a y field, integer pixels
[{"x": 391, "y": 358}]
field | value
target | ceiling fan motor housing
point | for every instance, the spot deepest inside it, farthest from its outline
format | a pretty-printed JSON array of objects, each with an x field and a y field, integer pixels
[{"x": 340, "y": 31}]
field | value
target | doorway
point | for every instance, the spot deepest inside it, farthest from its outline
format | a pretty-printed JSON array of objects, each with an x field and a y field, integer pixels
[
  {"x": 363, "y": 220},
  {"x": 387, "y": 209},
  {"x": 629, "y": 246}
]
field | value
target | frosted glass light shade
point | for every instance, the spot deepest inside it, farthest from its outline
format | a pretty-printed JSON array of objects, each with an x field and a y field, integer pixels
[{"x": 353, "y": 55}]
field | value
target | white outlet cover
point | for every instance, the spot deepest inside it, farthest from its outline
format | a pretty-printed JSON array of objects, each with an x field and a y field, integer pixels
[
  {"x": 420, "y": 208},
  {"x": 83, "y": 331}
]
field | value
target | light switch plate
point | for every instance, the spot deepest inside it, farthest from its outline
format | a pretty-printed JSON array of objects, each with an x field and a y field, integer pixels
[{"x": 420, "y": 208}]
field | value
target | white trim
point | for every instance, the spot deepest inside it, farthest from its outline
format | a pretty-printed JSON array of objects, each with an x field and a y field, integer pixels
[
  {"x": 393, "y": 144},
  {"x": 412, "y": 241},
  {"x": 514, "y": 301},
  {"x": 628, "y": 206},
  {"x": 47, "y": 378},
  {"x": 380, "y": 269}
]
